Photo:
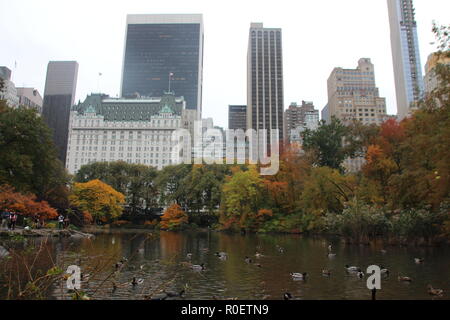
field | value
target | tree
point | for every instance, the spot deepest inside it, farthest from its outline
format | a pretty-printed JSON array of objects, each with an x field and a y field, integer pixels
[
  {"x": 327, "y": 143},
  {"x": 241, "y": 199},
  {"x": 98, "y": 199},
  {"x": 135, "y": 181},
  {"x": 172, "y": 184},
  {"x": 25, "y": 204},
  {"x": 174, "y": 218},
  {"x": 326, "y": 190},
  {"x": 28, "y": 159}
]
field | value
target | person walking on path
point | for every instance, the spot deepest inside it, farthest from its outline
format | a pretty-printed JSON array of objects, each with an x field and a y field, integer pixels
[
  {"x": 13, "y": 218},
  {"x": 61, "y": 221},
  {"x": 5, "y": 219},
  {"x": 66, "y": 222}
]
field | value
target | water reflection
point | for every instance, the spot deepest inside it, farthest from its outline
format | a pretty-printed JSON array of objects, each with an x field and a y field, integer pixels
[{"x": 161, "y": 263}]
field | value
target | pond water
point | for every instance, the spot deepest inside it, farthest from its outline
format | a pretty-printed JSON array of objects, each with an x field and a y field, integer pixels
[{"x": 160, "y": 263}]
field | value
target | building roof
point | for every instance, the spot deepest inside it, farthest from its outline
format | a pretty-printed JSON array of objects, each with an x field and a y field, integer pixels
[{"x": 130, "y": 109}]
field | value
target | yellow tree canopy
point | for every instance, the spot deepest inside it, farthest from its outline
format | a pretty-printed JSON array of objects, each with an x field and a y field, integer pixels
[{"x": 97, "y": 198}]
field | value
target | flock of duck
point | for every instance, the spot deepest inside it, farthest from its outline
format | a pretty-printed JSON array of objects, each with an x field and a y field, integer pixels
[
  {"x": 302, "y": 276},
  {"x": 296, "y": 276}
]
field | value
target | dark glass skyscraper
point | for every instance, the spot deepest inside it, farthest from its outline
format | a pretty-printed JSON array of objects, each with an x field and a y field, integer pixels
[
  {"x": 159, "y": 45},
  {"x": 59, "y": 96},
  {"x": 237, "y": 117}
]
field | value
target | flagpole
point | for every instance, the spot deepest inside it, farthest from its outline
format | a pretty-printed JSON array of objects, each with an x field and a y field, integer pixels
[{"x": 170, "y": 76}]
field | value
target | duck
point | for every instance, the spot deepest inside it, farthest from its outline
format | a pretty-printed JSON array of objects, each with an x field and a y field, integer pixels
[
  {"x": 198, "y": 267},
  {"x": 189, "y": 256},
  {"x": 299, "y": 276},
  {"x": 221, "y": 255},
  {"x": 383, "y": 251},
  {"x": 435, "y": 292},
  {"x": 175, "y": 294},
  {"x": 331, "y": 255},
  {"x": 404, "y": 279},
  {"x": 360, "y": 274},
  {"x": 85, "y": 277},
  {"x": 418, "y": 260},
  {"x": 135, "y": 281},
  {"x": 351, "y": 268},
  {"x": 205, "y": 249},
  {"x": 258, "y": 255},
  {"x": 326, "y": 273},
  {"x": 247, "y": 260},
  {"x": 384, "y": 270},
  {"x": 280, "y": 249},
  {"x": 329, "y": 247},
  {"x": 287, "y": 296},
  {"x": 186, "y": 264},
  {"x": 258, "y": 265}
]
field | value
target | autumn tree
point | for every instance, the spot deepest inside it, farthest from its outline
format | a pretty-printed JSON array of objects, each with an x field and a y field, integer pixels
[
  {"x": 25, "y": 204},
  {"x": 28, "y": 158},
  {"x": 174, "y": 218},
  {"x": 241, "y": 199},
  {"x": 98, "y": 199}
]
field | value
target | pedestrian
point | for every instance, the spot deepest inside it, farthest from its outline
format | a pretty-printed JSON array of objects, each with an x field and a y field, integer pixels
[
  {"x": 13, "y": 218},
  {"x": 5, "y": 219},
  {"x": 66, "y": 222},
  {"x": 61, "y": 221}
]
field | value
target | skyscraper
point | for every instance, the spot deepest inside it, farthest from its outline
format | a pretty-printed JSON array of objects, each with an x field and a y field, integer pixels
[
  {"x": 237, "y": 117},
  {"x": 353, "y": 95},
  {"x": 405, "y": 55},
  {"x": 297, "y": 118},
  {"x": 163, "y": 46},
  {"x": 265, "y": 79},
  {"x": 59, "y": 96}
]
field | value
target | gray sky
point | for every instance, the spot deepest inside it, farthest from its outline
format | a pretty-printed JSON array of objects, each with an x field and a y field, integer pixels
[{"x": 318, "y": 35}]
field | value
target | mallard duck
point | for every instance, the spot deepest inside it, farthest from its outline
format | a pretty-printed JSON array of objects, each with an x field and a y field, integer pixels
[
  {"x": 247, "y": 260},
  {"x": 175, "y": 294},
  {"x": 384, "y": 270},
  {"x": 221, "y": 255},
  {"x": 326, "y": 273},
  {"x": 136, "y": 282},
  {"x": 435, "y": 292},
  {"x": 258, "y": 255},
  {"x": 287, "y": 296},
  {"x": 198, "y": 267},
  {"x": 404, "y": 279},
  {"x": 351, "y": 268},
  {"x": 418, "y": 260},
  {"x": 189, "y": 256},
  {"x": 299, "y": 276},
  {"x": 360, "y": 274}
]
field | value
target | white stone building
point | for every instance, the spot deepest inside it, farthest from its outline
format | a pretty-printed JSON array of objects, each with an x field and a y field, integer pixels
[{"x": 103, "y": 129}]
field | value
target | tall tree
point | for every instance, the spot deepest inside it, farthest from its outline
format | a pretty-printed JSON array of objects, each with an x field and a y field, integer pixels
[{"x": 327, "y": 143}]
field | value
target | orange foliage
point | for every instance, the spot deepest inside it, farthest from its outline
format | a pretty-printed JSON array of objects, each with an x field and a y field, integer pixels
[
  {"x": 25, "y": 204},
  {"x": 174, "y": 217}
]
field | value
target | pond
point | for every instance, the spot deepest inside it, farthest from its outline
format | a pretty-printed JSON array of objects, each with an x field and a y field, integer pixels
[{"x": 160, "y": 262}]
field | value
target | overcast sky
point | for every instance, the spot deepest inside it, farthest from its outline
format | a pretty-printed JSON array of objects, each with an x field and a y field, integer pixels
[{"x": 318, "y": 35}]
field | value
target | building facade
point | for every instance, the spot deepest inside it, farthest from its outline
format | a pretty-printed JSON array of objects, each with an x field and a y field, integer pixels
[
  {"x": 163, "y": 48},
  {"x": 30, "y": 98},
  {"x": 353, "y": 95},
  {"x": 405, "y": 56},
  {"x": 237, "y": 117},
  {"x": 104, "y": 129},
  {"x": 298, "y": 118},
  {"x": 8, "y": 91},
  {"x": 59, "y": 96},
  {"x": 265, "y": 99}
]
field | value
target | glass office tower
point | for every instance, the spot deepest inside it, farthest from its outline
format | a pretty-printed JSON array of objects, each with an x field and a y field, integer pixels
[{"x": 159, "y": 47}]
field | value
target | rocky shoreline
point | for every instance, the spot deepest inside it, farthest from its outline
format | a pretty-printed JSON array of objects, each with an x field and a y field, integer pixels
[{"x": 45, "y": 233}]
